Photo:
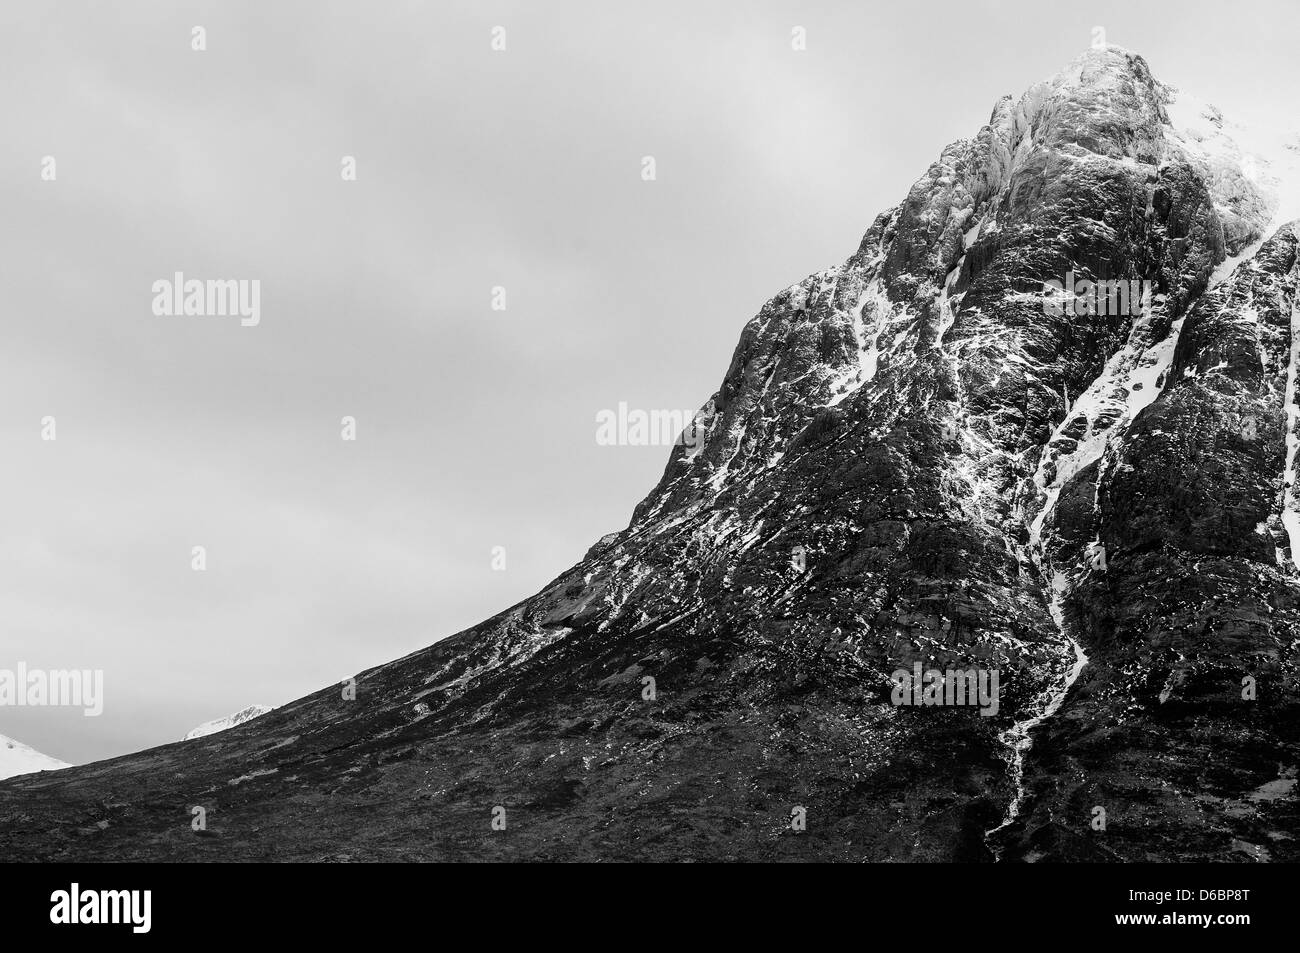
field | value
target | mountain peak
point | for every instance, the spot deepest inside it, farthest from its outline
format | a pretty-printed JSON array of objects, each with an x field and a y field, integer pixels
[{"x": 228, "y": 721}]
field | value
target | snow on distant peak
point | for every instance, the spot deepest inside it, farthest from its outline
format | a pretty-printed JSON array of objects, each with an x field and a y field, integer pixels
[
  {"x": 17, "y": 758},
  {"x": 230, "y": 721}
]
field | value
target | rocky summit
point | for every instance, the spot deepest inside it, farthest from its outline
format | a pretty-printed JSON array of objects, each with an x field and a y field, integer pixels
[{"x": 1039, "y": 427}]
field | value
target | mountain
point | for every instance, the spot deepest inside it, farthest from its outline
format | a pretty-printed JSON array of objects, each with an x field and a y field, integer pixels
[
  {"x": 229, "y": 721},
  {"x": 929, "y": 455},
  {"x": 17, "y": 758}
]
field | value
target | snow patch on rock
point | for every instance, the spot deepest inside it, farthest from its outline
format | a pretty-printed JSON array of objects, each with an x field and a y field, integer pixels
[{"x": 1290, "y": 517}]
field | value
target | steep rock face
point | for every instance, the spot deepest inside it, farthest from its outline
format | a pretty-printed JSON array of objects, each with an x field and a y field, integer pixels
[
  {"x": 1198, "y": 594},
  {"x": 911, "y": 458}
]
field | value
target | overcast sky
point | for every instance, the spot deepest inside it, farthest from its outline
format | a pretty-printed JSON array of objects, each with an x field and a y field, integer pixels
[{"x": 475, "y": 168}]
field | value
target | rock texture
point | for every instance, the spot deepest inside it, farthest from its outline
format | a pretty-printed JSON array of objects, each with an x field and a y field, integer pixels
[{"x": 910, "y": 459}]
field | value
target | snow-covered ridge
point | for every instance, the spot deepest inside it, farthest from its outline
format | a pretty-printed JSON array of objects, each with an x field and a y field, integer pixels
[
  {"x": 229, "y": 721},
  {"x": 1238, "y": 159},
  {"x": 17, "y": 758}
]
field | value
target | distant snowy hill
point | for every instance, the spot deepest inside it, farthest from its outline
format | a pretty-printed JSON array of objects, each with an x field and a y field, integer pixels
[
  {"x": 17, "y": 758},
  {"x": 230, "y": 721}
]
